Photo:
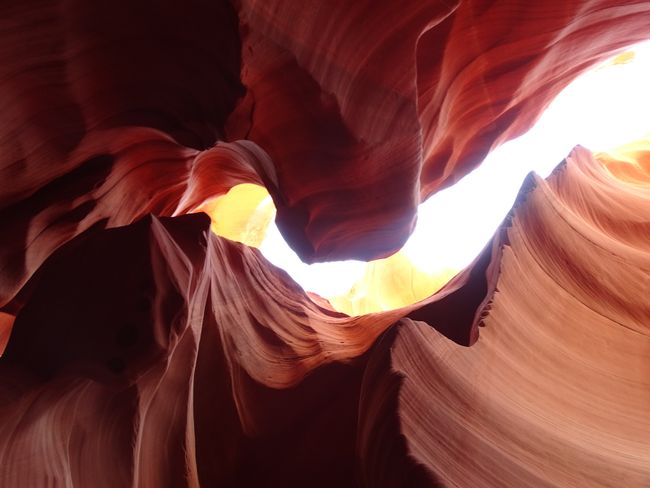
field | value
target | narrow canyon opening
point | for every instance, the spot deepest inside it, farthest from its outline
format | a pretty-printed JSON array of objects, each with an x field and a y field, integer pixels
[{"x": 604, "y": 110}]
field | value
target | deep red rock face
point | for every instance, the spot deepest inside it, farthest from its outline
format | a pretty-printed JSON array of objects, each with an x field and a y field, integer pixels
[{"x": 143, "y": 350}]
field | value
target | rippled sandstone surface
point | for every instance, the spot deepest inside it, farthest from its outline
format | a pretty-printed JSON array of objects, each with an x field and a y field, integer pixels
[{"x": 143, "y": 350}]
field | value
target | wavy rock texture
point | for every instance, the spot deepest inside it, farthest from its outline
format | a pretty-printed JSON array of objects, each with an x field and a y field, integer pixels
[
  {"x": 349, "y": 115},
  {"x": 146, "y": 351},
  {"x": 555, "y": 392},
  {"x": 201, "y": 371},
  {"x": 148, "y": 365}
]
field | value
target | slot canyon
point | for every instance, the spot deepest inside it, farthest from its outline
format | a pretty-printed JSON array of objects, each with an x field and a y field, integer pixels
[{"x": 146, "y": 148}]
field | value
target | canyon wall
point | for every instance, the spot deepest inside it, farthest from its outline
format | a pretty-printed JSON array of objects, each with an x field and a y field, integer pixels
[{"x": 143, "y": 350}]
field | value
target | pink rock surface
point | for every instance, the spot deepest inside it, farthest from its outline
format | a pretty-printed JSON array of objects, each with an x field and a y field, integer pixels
[{"x": 145, "y": 351}]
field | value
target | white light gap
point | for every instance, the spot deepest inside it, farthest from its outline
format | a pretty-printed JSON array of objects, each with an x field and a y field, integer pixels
[{"x": 604, "y": 108}]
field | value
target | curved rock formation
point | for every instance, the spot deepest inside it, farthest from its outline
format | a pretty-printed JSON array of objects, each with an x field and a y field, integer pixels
[
  {"x": 555, "y": 392},
  {"x": 165, "y": 348},
  {"x": 348, "y": 124},
  {"x": 145, "y": 351}
]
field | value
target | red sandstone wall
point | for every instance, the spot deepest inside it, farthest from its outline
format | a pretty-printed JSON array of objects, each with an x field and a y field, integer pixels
[{"x": 157, "y": 354}]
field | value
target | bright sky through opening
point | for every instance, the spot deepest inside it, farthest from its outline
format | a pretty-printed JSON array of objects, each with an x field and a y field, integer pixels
[{"x": 604, "y": 108}]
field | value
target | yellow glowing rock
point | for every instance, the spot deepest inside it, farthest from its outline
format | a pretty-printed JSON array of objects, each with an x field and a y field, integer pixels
[
  {"x": 243, "y": 214},
  {"x": 624, "y": 58},
  {"x": 388, "y": 284},
  {"x": 630, "y": 162}
]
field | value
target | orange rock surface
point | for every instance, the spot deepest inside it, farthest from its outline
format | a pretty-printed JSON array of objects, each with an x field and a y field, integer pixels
[{"x": 144, "y": 350}]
